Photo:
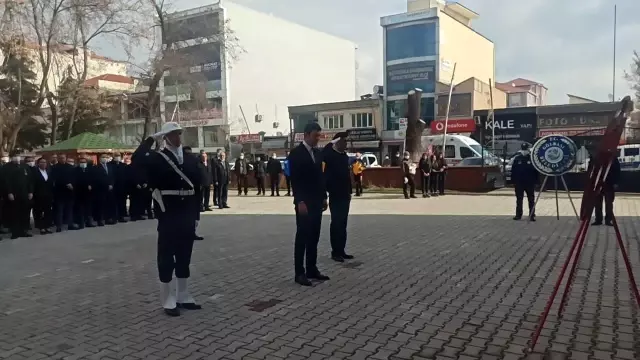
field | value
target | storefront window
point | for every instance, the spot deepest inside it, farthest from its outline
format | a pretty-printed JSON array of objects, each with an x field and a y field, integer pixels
[
  {"x": 396, "y": 109},
  {"x": 411, "y": 41}
]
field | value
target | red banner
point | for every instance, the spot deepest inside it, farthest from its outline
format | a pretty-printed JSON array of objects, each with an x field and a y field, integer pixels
[
  {"x": 249, "y": 139},
  {"x": 454, "y": 126}
]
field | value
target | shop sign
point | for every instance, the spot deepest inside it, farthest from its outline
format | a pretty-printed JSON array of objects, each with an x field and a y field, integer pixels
[
  {"x": 362, "y": 134},
  {"x": 206, "y": 117},
  {"x": 249, "y": 139},
  {"x": 454, "y": 126},
  {"x": 573, "y": 132},
  {"x": 574, "y": 120},
  {"x": 324, "y": 136}
]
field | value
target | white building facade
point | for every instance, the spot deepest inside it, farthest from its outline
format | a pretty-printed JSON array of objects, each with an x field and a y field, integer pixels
[{"x": 279, "y": 64}]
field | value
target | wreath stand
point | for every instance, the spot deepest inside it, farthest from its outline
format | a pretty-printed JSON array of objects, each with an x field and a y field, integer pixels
[{"x": 566, "y": 188}]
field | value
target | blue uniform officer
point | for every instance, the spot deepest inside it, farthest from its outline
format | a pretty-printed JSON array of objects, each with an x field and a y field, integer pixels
[{"x": 525, "y": 177}]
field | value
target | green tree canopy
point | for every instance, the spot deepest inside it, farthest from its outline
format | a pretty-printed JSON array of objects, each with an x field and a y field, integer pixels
[{"x": 633, "y": 76}]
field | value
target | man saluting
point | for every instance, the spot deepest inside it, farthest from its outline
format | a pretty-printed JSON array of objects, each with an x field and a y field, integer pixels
[
  {"x": 173, "y": 176},
  {"x": 310, "y": 200}
]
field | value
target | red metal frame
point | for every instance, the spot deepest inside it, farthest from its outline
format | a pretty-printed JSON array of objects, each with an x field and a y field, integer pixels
[{"x": 597, "y": 176}]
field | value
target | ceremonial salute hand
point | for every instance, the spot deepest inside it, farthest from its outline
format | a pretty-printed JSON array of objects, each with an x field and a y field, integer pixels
[
  {"x": 406, "y": 180},
  {"x": 10, "y": 197},
  {"x": 69, "y": 186},
  {"x": 325, "y": 204},
  {"x": 110, "y": 187}
]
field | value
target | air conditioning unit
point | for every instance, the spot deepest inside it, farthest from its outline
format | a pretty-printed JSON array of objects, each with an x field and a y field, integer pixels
[
  {"x": 258, "y": 118},
  {"x": 276, "y": 125}
]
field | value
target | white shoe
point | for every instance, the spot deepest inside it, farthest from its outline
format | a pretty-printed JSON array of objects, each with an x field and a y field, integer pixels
[
  {"x": 167, "y": 295},
  {"x": 182, "y": 292}
]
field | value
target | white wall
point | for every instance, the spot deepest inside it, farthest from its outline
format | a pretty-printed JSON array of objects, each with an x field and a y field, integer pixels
[{"x": 285, "y": 64}]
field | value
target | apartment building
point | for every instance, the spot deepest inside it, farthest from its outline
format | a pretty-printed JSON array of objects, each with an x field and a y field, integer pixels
[{"x": 523, "y": 92}]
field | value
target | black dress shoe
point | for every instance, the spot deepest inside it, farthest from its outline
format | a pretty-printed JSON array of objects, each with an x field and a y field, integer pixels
[
  {"x": 27, "y": 234},
  {"x": 337, "y": 258},
  {"x": 44, "y": 232},
  {"x": 517, "y": 217},
  {"x": 596, "y": 223},
  {"x": 172, "y": 312},
  {"x": 122, "y": 220},
  {"x": 189, "y": 306},
  {"x": 532, "y": 218},
  {"x": 100, "y": 224},
  {"x": 347, "y": 257},
  {"x": 220, "y": 207},
  {"x": 317, "y": 276},
  {"x": 302, "y": 280},
  {"x": 73, "y": 227},
  {"x": 414, "y": 197},
  {"x": 208, "y": 208},
  {"x": 58, "y": 230},
  {"x": 198, "y": 238},
  {"x": 90, "y": 225},
  {"x": 226, "y": 206},
  {"x": 13, "y": 237},
  {"x": 608, "y": 223}
]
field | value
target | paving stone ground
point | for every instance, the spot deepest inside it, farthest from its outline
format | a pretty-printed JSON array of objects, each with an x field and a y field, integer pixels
[{"x": 445, "y": 278}]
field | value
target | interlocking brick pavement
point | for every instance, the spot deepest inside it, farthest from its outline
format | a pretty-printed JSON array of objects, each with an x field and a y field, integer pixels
[{"x": 436, "y": 286}]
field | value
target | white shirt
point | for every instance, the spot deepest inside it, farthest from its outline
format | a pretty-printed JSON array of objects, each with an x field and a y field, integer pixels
[
  {"x": 44, "y": 173},
  {"x": 310, "y": 150}
]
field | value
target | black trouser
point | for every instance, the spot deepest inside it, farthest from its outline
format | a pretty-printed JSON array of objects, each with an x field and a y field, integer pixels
[
  {"x": 216, "y": 194},
  {"x": 433, "y": 183},
  {"x": 175, "y": 244},
  {"x": 338, "y": 230},
  {"x": 288, "y": 179},
  {"x": 42, "y": 213},
  {"x": 82, "y": 210},
  {"x": 441, "y": 177},
  {"x": 275, "y": 183},
  {"x": 260, "y": 183},
  {"x": 206, "y": 196},
  {"x": 64, "y": 210},
  {"x": 137, "y": 205},
  {"x": 223, "y": 191},
  {"x": 531, "y": 197},
  {"x": 104, "y": 207},
  {"x": 121, "y": 204},
  {"x": 243, "y": 184},
  {"x": 409, "y": 185},
  {"x": 358, "y": 181},
  {"x": 426, "y": 184},
  {"x": 608, "y": 196},
  {"x": 307, "y": 236},
  {"x": 20, "y": 219}
]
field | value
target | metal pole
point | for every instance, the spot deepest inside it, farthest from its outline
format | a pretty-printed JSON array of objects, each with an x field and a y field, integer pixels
[
  {"x": 493, "y": 120},
  {"x": 615, "y": 26},
  {"x": 446, "y": 117}
]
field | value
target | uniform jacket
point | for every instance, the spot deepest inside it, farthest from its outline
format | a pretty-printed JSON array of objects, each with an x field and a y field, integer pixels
[
  {"x": 274, "y": 167},
  {"x": 336, "y": 173},
  {"x": 307, "y": 180},
  {"x": 406, "y": 168},
  {"x": 18, "y": 180},
  {"x": 181, "y": 212},
  {"x": 522, "y": 171}
]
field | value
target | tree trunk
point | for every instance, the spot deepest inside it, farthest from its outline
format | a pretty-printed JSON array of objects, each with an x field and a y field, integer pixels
[
  {"x": 415, "y": 126},
  {"x": 151, "y": 102},
  {"x": 54, "y": 118}
]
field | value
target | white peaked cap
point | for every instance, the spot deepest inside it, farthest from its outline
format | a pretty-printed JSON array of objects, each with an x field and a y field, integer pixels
[{"x": 168, "y": 127}]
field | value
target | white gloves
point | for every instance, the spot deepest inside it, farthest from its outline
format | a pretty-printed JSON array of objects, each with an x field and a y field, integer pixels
[
  {"x": 335, "y": 141},
  {"x": 406, "y": 180}
]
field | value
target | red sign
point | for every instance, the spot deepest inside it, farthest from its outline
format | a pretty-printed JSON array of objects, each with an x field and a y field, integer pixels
[
  {"x": 249, "y": 139},
  {"x": 324, "y": 136},
  {"x": 454, "y": 126}
]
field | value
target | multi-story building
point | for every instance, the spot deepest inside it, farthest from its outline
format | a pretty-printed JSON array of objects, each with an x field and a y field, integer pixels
[
  {"x": 421, "y": 47},
  {"x": 523, "y": 92},
  {"x": 278, "y": 63},
  {"x": 361, "y": 119}
]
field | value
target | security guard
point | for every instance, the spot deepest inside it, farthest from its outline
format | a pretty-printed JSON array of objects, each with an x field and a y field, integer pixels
[
  {"x": 524, "y": 177},
  {"x": 174, "y": 177}
]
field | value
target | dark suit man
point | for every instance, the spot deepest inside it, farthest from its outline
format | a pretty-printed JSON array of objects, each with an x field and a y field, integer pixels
[
  {"x": 608, "y": 194},
  {"x": 310, "y": 200},
  {"x": 140, "y": 194},
  {"x": 274, "y": 169},
  {"x": 42, "y": 197},
  {"x": 64, "y": 184},
  {"x": 338, "y": 181},
  {"x": 84, "y": 194},
  {"x": 242, "y": 169},
  {"x": 221, "y": 179},
  {"x": 214, "y": 165},
  {"x": 260, "y": 172},
  {"x": 120, "y": 187},
  {"x": 207, "y": 180},
  {"x": 104, "y": 179},
  {"x": 19, "y": 186}
]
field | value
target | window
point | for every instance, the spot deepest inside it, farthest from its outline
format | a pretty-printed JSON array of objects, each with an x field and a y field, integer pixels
[
  {"x": 210, "y": 134},
  {"x": 396, "y": 109},
  {"x": 333, "y": 122},
  {"x": 631, "y": 151},
  {"x": 449, "y": 152},
  {"x": 190, "y": 137},
  {"x": 362, "y": 120},
  {"x": 133, "y": 133},
  {"x": 409, "y": 41},
  {"x": 465, "y": 152}
]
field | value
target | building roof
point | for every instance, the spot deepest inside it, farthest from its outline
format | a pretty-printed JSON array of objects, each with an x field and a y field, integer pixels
[
  {"x": 512, "y": 85},
  {"x": 110, "y": 78},
  {"x": 87, "y": 142},
  {"x": 581, "y": 98}
]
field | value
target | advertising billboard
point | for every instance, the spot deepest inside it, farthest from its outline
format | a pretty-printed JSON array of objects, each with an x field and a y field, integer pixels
[{"x": 401, "y": 78}]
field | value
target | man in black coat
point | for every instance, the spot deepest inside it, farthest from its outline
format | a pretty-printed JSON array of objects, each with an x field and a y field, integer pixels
[
  {"x": 260, "y": 172},
  {"x": 120, "y": 187},
  {"x": 274, "y": 169},
  {"x": 84, "y": 194},
  {"x": 19, "y": 187},
  {"x": 525, "y": 177},
  {"x": 221, "y": 179},
  {"x": 214, "y": 165},
  {"x": 104, "y": 180},
  {"x": 242, "y": 169},
  {"x": 139, "y": 194},
  {"x": 608, "y": 194},
  {"x": 310, "y": 200},
  {"x": 337, "y": 176},
  {"x": 64, "y": 180},
  {"x": 207, "y": 179}
]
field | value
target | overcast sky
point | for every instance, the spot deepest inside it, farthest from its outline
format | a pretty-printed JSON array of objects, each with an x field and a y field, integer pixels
[{"x": 565, "y": 44}]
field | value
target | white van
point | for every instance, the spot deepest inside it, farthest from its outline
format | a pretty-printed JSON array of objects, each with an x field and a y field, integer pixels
[
  {"x": 459, "y": 147},
  {"x": 369, "y": 159},
  {"x": 628, "y": 155}
]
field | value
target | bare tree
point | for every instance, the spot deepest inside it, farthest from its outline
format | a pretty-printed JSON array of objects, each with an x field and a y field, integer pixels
[
  {"x": 633, "y": 76},
  {"x": 166, "y": 55},
  {"x": 415, "y": 126}
]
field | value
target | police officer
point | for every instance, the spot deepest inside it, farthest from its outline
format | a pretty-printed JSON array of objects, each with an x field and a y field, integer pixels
[
  {"x": 174, "y": 177},
  {"x": 608, "y": 193},
  {"x": 524, "y": 177},
  {"x": 409, "y": 173}
]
